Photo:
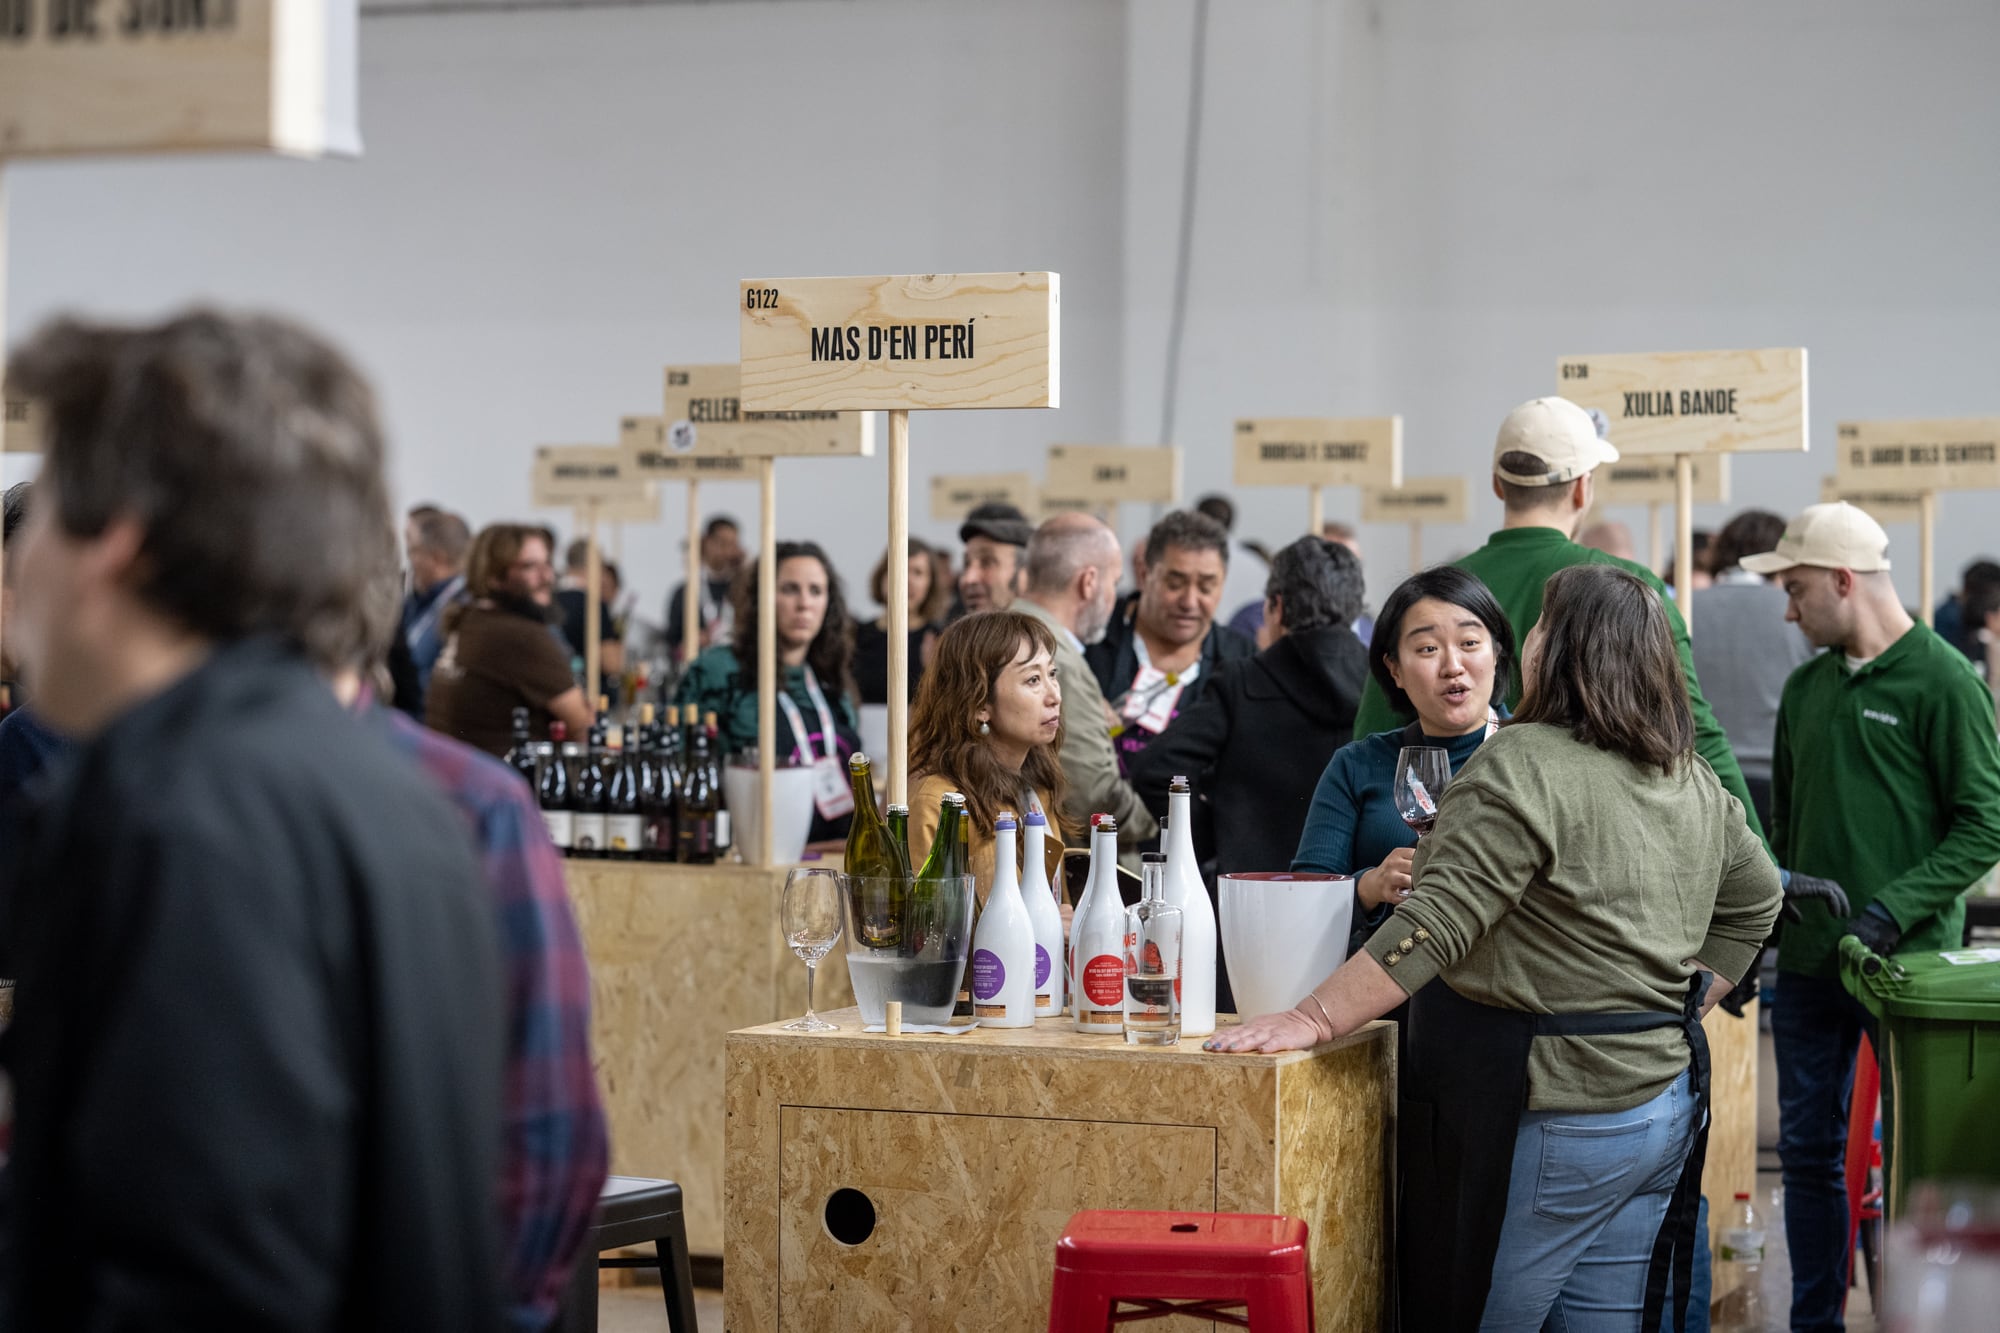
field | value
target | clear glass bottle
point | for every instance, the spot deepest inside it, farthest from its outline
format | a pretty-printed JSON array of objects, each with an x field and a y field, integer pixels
[{"x": 1152, "y": 960}]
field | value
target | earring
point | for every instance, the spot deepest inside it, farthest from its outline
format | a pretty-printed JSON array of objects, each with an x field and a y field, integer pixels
[{"x": 985, "y": 730}]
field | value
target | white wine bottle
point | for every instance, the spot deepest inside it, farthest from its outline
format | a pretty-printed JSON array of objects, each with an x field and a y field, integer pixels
[
  {"x": 1097, "y": 940},
  {"x": 1044, "y": 916},
  {"x": 1186, "y": 891},
  {"x": 1003, "y": 950}
]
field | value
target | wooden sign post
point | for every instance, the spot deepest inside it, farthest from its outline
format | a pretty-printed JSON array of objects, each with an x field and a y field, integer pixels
[
  {"x": 644, "y": 440},
  {"x": 1653, "y": 482},
  {"x": 1919, "y": 459},
  {"x": 1417, "y": 501},
  {"x": 952, "y": 498},
  {"x": 1317, "y": 452},
  {"x": 588, "y": 478},
  {"x": 1690, "y": 403},
  {"x": 704, "y": 417},
  {"x": 900, "y": 344},
  {"x": 1097, "y": 478}
]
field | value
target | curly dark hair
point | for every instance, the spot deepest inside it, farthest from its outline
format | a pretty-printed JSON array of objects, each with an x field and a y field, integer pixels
[
  {"x": 831, "y": 655},
  {"x": 1318, "y": 582}
]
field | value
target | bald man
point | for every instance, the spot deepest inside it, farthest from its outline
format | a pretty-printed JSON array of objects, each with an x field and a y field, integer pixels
[{"x": 1072, "y": 584}]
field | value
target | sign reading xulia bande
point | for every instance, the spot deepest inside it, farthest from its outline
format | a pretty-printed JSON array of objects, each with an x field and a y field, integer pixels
[
  {"x": 144, "y": 76},
  {"x": 1939, "y": 454},
  {"x": 1694, "y": 402},
  {"x": 899, "y": 343}
]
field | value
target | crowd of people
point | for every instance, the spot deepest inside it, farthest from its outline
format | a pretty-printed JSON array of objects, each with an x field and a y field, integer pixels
[{"x": 252, "y": 979}]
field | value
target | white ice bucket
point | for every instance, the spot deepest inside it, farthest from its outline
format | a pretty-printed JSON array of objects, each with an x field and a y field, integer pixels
[
  {"x": 791, "y": 811},
  {"x": 1282, "y": 934}
]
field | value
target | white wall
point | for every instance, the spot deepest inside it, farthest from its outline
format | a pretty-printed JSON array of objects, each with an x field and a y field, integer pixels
[
  {"x": 1409, "y": 207},
  {"x": 553, "y": 205},
  {"x": 1416, "y": 207}
]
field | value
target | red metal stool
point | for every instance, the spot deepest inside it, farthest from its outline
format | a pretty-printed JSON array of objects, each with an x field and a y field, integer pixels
[
  {"x": 1864, "y": 1159},
  {"x": 1206, "y": 1264}
]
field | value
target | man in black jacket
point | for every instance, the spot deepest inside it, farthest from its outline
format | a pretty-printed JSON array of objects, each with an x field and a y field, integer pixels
[{"x": 256, "y": 1045}]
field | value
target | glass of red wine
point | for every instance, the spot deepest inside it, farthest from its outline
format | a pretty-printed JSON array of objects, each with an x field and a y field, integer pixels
[{"x": 1421, "y": 773}]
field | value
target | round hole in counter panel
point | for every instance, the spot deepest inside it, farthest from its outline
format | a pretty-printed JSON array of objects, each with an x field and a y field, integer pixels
[
  {"x": 1184, "y": 1226},
  {"x": 850, "y": 1216}
]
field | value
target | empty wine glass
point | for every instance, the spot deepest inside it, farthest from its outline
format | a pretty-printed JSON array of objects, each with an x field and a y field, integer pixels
[
  {"x": 1421, "y": 773},
  {"x": 813, "y": 922}
]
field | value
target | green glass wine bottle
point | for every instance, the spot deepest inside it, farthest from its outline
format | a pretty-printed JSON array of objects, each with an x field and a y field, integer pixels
[{"x": 874, "y": 854}]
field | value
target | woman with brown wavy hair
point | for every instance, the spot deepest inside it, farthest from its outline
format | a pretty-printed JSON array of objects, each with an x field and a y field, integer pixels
[{"x": 988, "y": 724}]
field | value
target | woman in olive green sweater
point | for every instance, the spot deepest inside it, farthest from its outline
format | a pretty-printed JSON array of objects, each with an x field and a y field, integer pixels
[{"x": 1589, "y": 892}]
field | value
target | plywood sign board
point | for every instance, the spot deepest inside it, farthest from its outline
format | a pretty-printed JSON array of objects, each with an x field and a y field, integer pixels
[
  {"x": 1418, "y": 500},
  {"x": 644, "y": 440},
  {"x": 1096, "y": 475},
  {"x": 953, "y": 497},
  {"x": 576, "y": 474},
  {"x": 22, "y": 429},
  {"x": 935, "y": 340},
  {"x": 642, "y": 508},
  {"x": 1650, "y": 481},
  {"x": 704, "y": 415},
  {"x": 1694, "y": 402},
  {"x": 1883, "y": 505},
  {"x": 140, "y": 76},
  {"x": 1320, "y": 451},
  {"x": 1944, "y": 454}
]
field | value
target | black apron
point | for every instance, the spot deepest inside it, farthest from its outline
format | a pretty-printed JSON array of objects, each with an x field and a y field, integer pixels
[{"x": 1463, "y": 1092}]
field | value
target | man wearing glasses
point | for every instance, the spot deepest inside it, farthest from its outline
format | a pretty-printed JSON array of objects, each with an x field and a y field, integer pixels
[{"x": 499, "y": 654}]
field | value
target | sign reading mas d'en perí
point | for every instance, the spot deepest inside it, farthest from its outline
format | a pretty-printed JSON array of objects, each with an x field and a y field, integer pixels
[
  {"x": 1417, "y": 500},
  {"x": 1694, "y": 402},
  {"x": 1942, "y": 454},
  {"x": 139, "y": 76},
  {"x": 577, "y": 474},
  {"x": 704, "y": 415},
  {"x": 1320, "y": 451},
  {"x": 1095, "y": 476},
  {"x": 894, "y": 343},
  {"x": 644, "y": 442}
]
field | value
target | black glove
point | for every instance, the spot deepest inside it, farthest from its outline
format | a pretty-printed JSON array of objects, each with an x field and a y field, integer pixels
[
  {"x": 1811, "y": 888},
  {"x": 1875, "y": 929},
  {"x": 1745, "y": 991}
]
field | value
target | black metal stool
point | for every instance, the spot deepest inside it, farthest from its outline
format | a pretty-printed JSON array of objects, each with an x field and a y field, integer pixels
[{"x": 631, "y": 1211}]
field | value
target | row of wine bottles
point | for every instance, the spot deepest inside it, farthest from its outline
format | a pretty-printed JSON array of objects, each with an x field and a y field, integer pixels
[
  {"x": 658, "y": 799},
  {"x": 1084, "y": 974}
]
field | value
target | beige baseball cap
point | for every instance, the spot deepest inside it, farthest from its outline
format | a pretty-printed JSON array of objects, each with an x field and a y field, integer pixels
[
  {"x": 1556, "y": 431},
  {"x": 1830, "y": 536}
]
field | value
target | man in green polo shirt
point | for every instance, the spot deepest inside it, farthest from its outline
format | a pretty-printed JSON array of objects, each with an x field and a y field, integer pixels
[
  {"x": 1885, "y": 776},
  {"x": 1542, "y": 463}
]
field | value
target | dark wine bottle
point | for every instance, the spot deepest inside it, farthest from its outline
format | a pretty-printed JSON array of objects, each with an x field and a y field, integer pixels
[
  {"x": 587, "y": 800},
  {"x": 899, "y": 827},
  {"x": 661, "y": 832},
  {"x": 699, "y": 802},
  {"x": 624, "y": 819},
  {"x": 724, "y": 835},
  {"x": 553, "y": 792},
  {"x": 521, "y": 755}
]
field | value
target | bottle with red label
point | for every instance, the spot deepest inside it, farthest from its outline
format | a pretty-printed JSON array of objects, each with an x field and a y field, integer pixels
[
  {"x": 1153, "y": 960},
  {"x": 1097, "y": 939}
]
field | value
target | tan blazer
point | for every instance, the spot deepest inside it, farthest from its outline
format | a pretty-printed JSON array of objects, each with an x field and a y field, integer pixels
[{"x": 926, "y": 799}]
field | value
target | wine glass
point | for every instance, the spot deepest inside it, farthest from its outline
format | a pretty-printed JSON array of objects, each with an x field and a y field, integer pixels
[
  {"x": 1421, "y": 773},
  {"x": 812, "y": 912}
]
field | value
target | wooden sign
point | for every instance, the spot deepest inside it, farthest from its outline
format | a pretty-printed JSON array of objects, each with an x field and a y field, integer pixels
[
  {"x": 704, "y": 415},
  {"x": 953, "y": 497},
  {"x": 91, "y": 76},
  {"x": 1092, "y": 476},
  {"x": 1694, "y": 402},
  {"x": 575, "y": 474},
  {"x": 1320, "y": 451},
  {"x": 1883, "y": 505},
  {"x": 641, "y": 508},
  {"x": 22, "y": 429},
  {"x": 899, "y": 343},
  {"x": 1946, "y": 454},
  {"x": 1418, "y": 500},
  {"x": 1650, "y": 481},
  {"x": 644, "y": 440}
]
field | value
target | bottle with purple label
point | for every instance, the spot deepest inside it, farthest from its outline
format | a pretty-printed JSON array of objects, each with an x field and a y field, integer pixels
[
  {"x": 1044, "y": 916},
  {"x": 1003, "y": 949}
]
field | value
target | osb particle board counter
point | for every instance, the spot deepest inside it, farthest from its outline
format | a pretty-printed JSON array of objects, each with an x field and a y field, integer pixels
[
  {"x": 974, "y": 1150},
  {"x": 680, "y": 956}
]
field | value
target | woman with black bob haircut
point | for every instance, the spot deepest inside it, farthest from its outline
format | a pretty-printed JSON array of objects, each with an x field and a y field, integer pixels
[
  {"x": 1589, "y": 892},
  {"x": 1443, "y": 649}
]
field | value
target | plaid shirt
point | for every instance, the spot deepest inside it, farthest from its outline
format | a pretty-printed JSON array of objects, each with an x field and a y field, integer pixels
[{"x": 556, "y": 1146}]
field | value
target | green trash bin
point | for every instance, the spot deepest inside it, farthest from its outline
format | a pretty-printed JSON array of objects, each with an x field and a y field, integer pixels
[{"x": 1939, "y": 1015}]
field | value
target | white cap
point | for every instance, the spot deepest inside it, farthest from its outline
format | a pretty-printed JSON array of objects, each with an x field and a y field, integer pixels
[
  {"x": 1556, "y": 431},
  {"x": 1830, "y": 536}
]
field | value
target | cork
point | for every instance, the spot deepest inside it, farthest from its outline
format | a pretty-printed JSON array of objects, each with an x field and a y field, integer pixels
[{"x": 892, "y": 1017}]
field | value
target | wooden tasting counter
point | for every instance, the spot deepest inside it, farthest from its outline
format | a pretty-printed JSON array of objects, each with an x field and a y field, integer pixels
[
  {"x": 679, "y": 957},
  {"x": 972, "y": 1152}
]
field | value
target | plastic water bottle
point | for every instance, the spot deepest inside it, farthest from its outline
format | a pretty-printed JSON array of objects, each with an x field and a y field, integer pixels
[{"x": 1739, "y": 1270}]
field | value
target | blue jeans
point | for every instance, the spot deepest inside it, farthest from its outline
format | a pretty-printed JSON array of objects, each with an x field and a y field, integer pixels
[
  {"x": 1816, "y": 1027},
  {"x": 1584, "y": 1205}
]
